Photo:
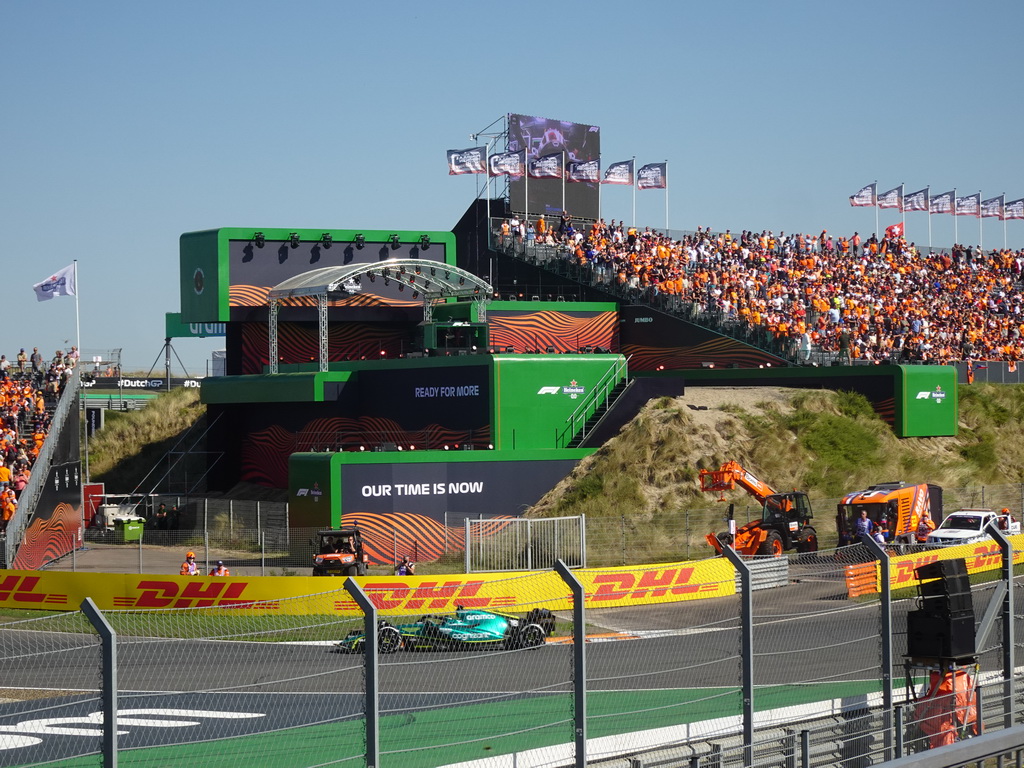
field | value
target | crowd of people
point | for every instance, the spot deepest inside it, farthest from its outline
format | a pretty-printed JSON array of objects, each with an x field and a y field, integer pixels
[
  {"x": 29, "y": 388},
  {"x": 871, "y": 298}
]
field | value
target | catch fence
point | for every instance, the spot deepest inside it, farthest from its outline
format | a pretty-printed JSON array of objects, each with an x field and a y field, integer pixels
[{"x": 632, "y": 670}]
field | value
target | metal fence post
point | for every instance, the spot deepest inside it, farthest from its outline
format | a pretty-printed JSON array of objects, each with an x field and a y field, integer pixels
[
  {"x": 583, "y": 541},
  {"x": 108, "y": 691},
  {"x": 886, "y": 638},
  {"x": 529, "y": 544},
  {"x": 467, "y": 554},
  {"x": 579, "y": 659},
  {"x": 1006, "y": 572},
  {"x": 746, "y": 650},
  {"x": 899, "y": 727},
  {"x": 142, "y": 535},
  {"x": 372, "y": 702}
]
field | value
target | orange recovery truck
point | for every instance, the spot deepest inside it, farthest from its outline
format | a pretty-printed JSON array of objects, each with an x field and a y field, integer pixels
[
  {"x": 785, "y": 517},
  {"x": 902, "y": 507}
]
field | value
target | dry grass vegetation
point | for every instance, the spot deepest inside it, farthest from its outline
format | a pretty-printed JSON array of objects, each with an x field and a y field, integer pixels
[
  {"x": 643, "y": 485},
  {"x": 640, "y": 491},
  {"x": 132, "y": 443}
]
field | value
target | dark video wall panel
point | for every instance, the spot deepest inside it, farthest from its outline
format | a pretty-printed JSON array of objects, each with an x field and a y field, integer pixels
[{"x": 541, "y": 136}]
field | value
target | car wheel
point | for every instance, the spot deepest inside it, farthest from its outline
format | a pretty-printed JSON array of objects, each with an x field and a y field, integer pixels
[
  {"x": 352, "y": 570},
  {"x": 531, "y": 636},
  {"x": 389, "y": 640}
]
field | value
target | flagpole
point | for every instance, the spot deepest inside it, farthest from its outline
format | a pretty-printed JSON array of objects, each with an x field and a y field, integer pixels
[
  {"x": 600, "y": 198},
  {"x": 632, "y": 169},
  {"x": 876, "y": 207},
  {"x": 902, "y": 191},
  {"x": 981, "y": 232},
  {"x": 929, "y": 188},
  {"x": 666, "y": 198},
  {"x": 563, "y": 179},
  {"x": 1002, "y": 215},
  {"x": 526, "y": 183}
]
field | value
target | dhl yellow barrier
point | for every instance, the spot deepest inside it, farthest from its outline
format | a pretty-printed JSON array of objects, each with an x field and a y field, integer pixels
[
  {"x": 606, "y": 588},
  {"x": 979, "y": 556}
]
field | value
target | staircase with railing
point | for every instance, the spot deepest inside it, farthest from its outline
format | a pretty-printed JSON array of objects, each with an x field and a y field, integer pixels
[{"x": 582, "y": 422}]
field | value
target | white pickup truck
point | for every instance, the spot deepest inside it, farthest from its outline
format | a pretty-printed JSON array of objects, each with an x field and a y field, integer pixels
[{"x": 966, "y": 526}]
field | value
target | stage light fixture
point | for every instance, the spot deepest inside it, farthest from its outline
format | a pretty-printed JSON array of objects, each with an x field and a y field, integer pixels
[
  {"x": 415, "y": 294},
  {"x": 433, "y": 272},
  {"x": 259, "y": 239},
  {"x": 360, "y": 241},
  {"x": 462, "y": 281},
  {"x": 326, "y": 238},
  {"x": 401, "y": 287},
  {"x": 386, "y": 282},
  {"x": 447, "y": 275},
  {"x": 401, "y": 269},
  {"x": 293, "y": 238},
  {"x": 424, "y": 242},
  {"x": 395, "y": 242},
  {"x": 418, "y": 270},
  {"x": 373, "y": 277}
]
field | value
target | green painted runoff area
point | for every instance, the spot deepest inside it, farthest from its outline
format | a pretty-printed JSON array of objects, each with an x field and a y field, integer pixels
[{"x": 432, "y": 737}]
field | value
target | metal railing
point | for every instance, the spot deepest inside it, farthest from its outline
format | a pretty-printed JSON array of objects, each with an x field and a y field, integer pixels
[{"x": 576, "y": 422}]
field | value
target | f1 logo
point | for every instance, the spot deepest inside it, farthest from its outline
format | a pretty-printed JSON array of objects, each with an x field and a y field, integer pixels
[{"x": 549, "y": 390}]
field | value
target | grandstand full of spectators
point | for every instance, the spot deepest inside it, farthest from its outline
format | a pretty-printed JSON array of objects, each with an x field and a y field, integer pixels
[
  {"x": 29, "y": 390},
  {"x": 874, "y": 299}
]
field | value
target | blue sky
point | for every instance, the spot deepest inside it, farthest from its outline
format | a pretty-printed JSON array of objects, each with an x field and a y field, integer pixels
[{"x": 128, "y": 123}]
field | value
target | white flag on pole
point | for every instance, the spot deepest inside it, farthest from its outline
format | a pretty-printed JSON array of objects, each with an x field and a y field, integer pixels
[{"x": 61, "y": 283}]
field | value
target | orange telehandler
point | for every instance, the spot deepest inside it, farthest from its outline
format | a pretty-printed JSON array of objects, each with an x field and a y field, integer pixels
[{"x": 785, "y": 517}]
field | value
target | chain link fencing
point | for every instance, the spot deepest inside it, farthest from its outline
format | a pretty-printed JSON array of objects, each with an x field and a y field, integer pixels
[{"x": 675, "y": 664}]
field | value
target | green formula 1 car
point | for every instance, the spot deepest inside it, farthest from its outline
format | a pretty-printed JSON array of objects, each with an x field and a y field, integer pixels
[{"x": 468, "y": 628}]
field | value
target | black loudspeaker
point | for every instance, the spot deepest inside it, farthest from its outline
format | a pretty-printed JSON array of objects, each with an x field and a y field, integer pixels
[
  {"x": 939, "y": 637},
  {"x": 948, "y": 593}
]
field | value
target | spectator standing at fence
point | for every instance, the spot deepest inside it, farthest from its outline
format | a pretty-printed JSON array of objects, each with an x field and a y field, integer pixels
[
  {"x": 37, "y": 361},
  {"x": 189, "y": 567},
  {"x": 220, "y": 569},
  {"x": 22, "y": 360},
  {"x": 406, "y": 567},
  {"x": 160, "y": 518}
]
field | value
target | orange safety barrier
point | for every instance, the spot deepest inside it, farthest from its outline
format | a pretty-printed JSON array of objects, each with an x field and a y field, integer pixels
[{"x": 861, "y": 579}]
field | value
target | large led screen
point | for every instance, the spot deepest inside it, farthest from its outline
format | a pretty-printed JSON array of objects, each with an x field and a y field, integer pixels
[{"x": 541, "y": 136}]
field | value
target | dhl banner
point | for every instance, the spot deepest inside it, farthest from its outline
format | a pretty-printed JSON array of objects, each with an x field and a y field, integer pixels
[
  {"x": 393, "y": 595},
  {"x": 979, "y": 556}
]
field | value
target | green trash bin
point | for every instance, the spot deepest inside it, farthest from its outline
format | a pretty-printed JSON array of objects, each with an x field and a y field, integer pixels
[{"x": 128, "y": 529}]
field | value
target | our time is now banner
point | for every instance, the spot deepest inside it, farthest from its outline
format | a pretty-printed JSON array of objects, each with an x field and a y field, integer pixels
[{"x": 393, "y": 595}]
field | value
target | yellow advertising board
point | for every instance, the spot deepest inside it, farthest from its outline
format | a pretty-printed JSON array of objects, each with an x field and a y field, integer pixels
[
  {"x": 980, "y": 556},
  {"x": 394, "y": 595}
]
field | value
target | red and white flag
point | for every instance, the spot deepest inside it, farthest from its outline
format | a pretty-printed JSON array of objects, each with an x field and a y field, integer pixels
[{"x": 894, "y": 231}]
